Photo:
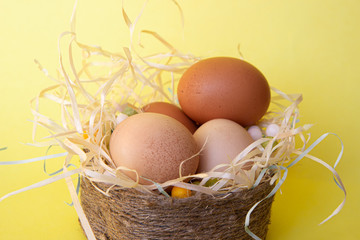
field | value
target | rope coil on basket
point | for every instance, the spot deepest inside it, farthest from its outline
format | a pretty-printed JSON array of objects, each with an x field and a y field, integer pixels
[{"x": 131, "y": 214}]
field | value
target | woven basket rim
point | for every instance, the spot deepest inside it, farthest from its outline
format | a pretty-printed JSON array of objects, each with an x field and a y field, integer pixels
[{"x": 157, "y": 195}]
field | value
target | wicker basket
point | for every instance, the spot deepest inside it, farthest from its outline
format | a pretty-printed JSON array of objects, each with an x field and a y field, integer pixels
[{"x": 131, "y": 214}]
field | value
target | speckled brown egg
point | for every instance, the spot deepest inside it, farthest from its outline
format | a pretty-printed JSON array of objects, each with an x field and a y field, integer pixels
[
  {"x": 154, "y": 145},
  {"x": 171, "y": 110},
  {"x": 224, "y": 87}
]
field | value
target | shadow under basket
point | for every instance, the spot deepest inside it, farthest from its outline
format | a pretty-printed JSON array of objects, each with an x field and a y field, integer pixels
[{"x": 131, "y": 214}]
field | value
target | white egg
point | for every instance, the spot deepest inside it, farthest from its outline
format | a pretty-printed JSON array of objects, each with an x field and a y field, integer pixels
[{"x": 222, "y": 140}]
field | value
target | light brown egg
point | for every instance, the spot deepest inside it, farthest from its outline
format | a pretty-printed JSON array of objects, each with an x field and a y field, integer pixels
[
  {"x": 171, "y": 110},
  {"x": 223, "y": 140},
  {"x": 224, "y": 87},
  {"x": 154, "y": 145}
]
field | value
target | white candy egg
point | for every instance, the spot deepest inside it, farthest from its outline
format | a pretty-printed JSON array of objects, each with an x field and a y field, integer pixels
[
  {"x": 255, "y": 132},
  {"x": 272, "y": 130},
  {"x": 121, "y": 117}
]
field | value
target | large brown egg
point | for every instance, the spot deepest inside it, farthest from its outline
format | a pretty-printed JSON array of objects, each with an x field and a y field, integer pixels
[
  {"x": 171, "y": 110},
  {"x": 154, "y": 145},
  {"x": 224, "y": 87}
]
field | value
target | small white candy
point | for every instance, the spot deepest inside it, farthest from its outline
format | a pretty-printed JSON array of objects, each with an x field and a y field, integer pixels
[
  {"x": 272, "y": 130},
  {"x": 255, "y": 132},
  {"x": 121, "y": 117}
]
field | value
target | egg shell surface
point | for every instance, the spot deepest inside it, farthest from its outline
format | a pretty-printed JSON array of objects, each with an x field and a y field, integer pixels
[
  {"x": 171, "y": 110},
  {"x": 224, "y": 87},
  {"x": 154, "y": 145},
  {"x": 222, "y": 140}
]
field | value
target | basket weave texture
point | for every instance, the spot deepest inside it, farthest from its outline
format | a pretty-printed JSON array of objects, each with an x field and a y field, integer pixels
[{"x": 131, "y": 214}]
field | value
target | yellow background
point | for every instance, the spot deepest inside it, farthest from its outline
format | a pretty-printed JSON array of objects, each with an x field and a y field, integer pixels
[{"x": 301, "y": 46}]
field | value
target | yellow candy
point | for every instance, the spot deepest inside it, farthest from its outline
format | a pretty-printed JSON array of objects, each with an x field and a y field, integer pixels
[
  {"x": 85, "y": 135},
  {"x": 178, "y": 192}
]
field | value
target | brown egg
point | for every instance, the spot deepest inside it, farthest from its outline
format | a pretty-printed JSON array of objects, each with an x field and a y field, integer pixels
[
  {"x": 222, "y": 140},
  {"x": 154, "y": 145},
  {"x": 224, "y": 87},
  {"x": 171, "y": 110}
]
